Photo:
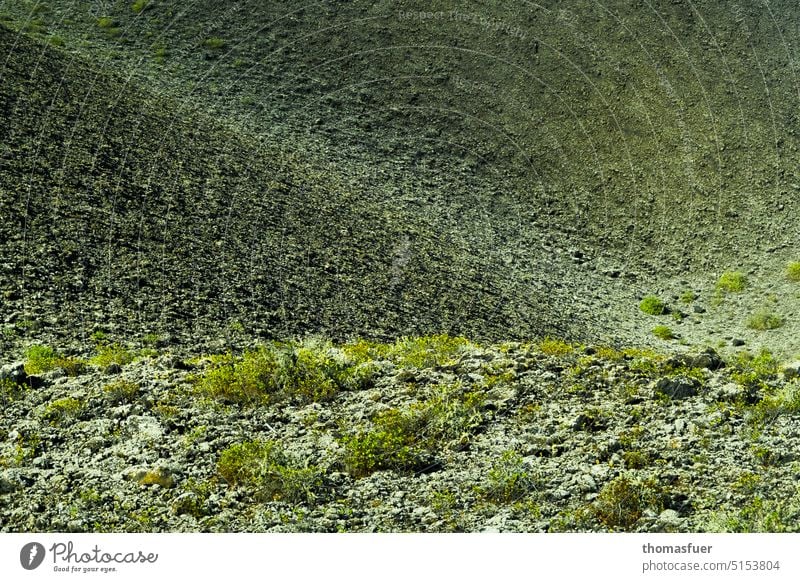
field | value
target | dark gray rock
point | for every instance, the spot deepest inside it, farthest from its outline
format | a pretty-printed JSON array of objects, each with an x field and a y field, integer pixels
[
  {"x": 14, "y": 372},
  {"x": 677, "y": 388}
]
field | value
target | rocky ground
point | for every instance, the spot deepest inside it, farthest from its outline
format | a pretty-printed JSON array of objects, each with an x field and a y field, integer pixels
[
  {"x": 179, "y": 182},
  {"x": 435, "y": 434}
]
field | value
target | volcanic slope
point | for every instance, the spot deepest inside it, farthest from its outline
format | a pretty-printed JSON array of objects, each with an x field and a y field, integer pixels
[
  {"x": 661, "y": 134},
  {"x": 127, "y": 214}
]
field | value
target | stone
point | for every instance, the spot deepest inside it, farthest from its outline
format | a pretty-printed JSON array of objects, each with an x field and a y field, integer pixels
[
  {"x": 669, "y": 519},
  {"x": 677, "y": 388},
  {"x": 586, "y": 483},
  {"x": 7, "y": 485},
  {"x": 737, "y": 342},
  {"x": 14, "y": 372}
]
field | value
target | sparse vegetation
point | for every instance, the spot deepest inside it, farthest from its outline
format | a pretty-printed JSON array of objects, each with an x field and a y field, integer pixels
[
  {"x": 215, "y": 43},
  {"x": 763, "y": 320},
  {"x": 9, "y": 391},
  {"x": 758, "y": 515},
  {"x": 555, "y": 347},
  {"x": 140, "y": 5},
  {"x": 264, "y": 467},
  {"x": 688, "y": 297},
  {"x": 509, "y": 479},
  {"x": 59, "y": 411},
  {"x": 407, "y": 439},
  {"x": 622, "y": 502},
  {"x": 121, "y": 391},
  {"x": 652, "y": 305}
]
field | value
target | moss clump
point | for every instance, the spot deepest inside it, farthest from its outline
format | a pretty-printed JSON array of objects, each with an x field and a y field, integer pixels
[
  {"x": 40, "y": 359},
  {"x": 793, "y": 271},
  {"x": 732, "y": 282},
  {"x": 266, "y": 468},
  {"x": 688, "y": 297},
  {"x": 663, "y": 332},
  {"x": 763, "y": 320},
  {"x": 652, "y": 305}
]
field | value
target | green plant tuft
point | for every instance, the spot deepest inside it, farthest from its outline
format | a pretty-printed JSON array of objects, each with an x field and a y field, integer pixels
[
  {"x": 652, "y": 305},
  {"x": 140, "y": 5},
  {"x": 408, "y": 439},
  {"x": 793, "y": 271},
  {"x": 732, "y": 282},
  {"x": 663, "y": 332},
  {"x": 121, "y": 391},
  {"x": 763, "y": 320},
  {"x": 215, "y": 43},
  {"x": 309, "y": 371}
]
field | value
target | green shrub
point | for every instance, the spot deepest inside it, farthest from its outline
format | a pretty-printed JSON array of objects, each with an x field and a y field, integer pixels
[
  {"x": 763, "y": 320},
  {"x": 652, "y": 305},
  {"x": 663, "y": 332},
  {"x": 108, "y": 354},
  {"x": 793, "y": 271},
  {"x": 274, "y": 475},
  {"x": 40, "y": 359},
  {"x": 732, "y": 282},
  {"x": 62, "y": 410},
  {"x": 622, "y": 502},
  {"x": 121, "y": 391},
  {"x": 785, "y": 401},
  {"x": 9, "y": 391},
  {"x": 635, "y": 459},
  {"x": 396, "y": 442},
  {"x": 105, "y": 22},
  {"x": 752, "y": 372},
  {"x": 310, "y": 371},
  {"x": 508, "y": 480},
  {"x": 688, "y": 297}
]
